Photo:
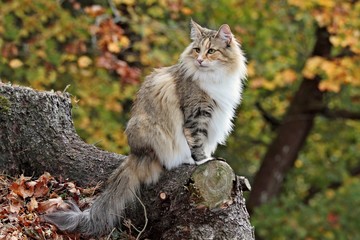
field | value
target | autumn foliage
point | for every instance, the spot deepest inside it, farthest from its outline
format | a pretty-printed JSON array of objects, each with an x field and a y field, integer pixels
[{"x": 100, "y": 52}]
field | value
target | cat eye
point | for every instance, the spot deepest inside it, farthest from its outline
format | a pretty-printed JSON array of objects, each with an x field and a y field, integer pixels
[
  {"x": 197, "y": 50},
  {"x": 211, "y": 51}
]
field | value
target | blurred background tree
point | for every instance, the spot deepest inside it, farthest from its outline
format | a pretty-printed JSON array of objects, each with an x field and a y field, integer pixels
[{"x": 297, "y": 131}]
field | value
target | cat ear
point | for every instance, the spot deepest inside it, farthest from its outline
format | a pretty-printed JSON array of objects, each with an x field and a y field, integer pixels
[
  {"x": 225, "y": 34},
  {"x": 196, "y": 30}
]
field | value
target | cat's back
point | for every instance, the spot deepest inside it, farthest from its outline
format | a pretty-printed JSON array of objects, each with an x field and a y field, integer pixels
[{"x": 158, "y": 89}]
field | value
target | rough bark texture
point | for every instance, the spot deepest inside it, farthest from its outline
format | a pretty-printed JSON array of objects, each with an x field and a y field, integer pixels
[
  {"x": 176, "y": 208},
  {"x": 37, "y": 135},
  {"x": 291, "y": 134}
]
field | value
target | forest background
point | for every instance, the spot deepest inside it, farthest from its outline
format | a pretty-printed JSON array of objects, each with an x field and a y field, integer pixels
[{"x": 100, "y": 51}]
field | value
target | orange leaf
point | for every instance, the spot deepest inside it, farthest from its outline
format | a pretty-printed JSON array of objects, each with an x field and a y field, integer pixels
[
  {"x": 32, "y": 205},
  {"x": 289, "y": 76},
  {"x": 187, "y": 11},
  {"x": 15, "y": 203},
  {"x": 23, "y": 188},
  {"x": 329, "y": 86},
  {"x": 41, "y": 189},
  {"x": 311, "y": 67}
]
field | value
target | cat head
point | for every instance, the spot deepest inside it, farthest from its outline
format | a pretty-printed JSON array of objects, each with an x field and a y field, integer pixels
[{"x": 212, "y": 50}]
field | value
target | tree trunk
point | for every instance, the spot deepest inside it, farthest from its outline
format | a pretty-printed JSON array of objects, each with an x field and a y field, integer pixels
[
  {"x": 37, "y": 135},
  {"x": 291, "y": 134}
]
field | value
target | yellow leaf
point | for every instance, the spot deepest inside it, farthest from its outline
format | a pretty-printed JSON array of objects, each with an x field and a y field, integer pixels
[
  {"x": 326, "y": 3},
  {"x": 251, "y": 69},
  {"x": 329, "y": 86},
  {"x": 126, "y": 2},
  {"x": 84, "y": 61},
  {"x": 335, "y": 40},
  {"x": 16, "y": 63},
  {"x": 311, "y": 67},
  {"x": 187, "y": 11},
  {"x": 329, "y": 68},
  {"x": 289, "y": 76},
  {"x": 322, "y": 18},
  {"x": 269, "y": 85},
  {"x": 124, "y": 41},
  {"x": 330, "y": 194},
  {"x": 301, "y": 4},
  {"x": 257, "y": 82},
  {"x": 41, "y": 54},
  {"x": 113, "y": 47},
  {"x": 298, "y": 163}
]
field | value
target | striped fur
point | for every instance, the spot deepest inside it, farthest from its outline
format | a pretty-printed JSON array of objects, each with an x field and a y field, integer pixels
[{"x": 180, "y": 115}]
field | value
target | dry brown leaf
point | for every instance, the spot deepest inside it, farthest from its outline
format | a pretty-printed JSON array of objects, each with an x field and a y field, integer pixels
[
  {"x": 15, "y": 203},
  {"x": 23, "y": 200},
  {"x": 90, "y": 191},
  {"x": 40, "y": 190},
  {"x": 22, "y": 187},
  {"x": 32, "y": 205}
]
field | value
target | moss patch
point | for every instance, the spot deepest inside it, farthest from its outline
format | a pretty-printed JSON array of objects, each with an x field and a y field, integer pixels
[{"x": 4, "y": 105}]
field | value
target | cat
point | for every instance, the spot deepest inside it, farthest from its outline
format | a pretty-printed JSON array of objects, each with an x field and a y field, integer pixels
[{"x": 180, "y": 115}]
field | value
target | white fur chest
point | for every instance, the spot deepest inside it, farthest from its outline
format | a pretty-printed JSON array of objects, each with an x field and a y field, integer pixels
[{"x": 226, "y": 91}]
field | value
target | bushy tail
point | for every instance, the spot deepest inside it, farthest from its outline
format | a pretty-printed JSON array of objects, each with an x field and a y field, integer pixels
[{"x": 106, "y": 212}]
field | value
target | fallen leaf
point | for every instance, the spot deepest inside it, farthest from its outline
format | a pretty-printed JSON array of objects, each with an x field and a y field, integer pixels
[
  {"x": 40, "y": 190},
  {"x": 32, "y": 205},
  {"x": 15, "y": 203},
  {"x": 22, "y": 188}
]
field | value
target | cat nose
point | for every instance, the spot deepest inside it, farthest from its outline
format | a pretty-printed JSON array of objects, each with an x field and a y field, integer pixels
[{"x": 200, "y": 60}]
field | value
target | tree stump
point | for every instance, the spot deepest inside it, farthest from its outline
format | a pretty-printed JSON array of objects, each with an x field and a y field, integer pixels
[
  {"x": 37, "y": 134},
  {"x": 190, "y": 202},
  {"x": 200, "y": 202}
]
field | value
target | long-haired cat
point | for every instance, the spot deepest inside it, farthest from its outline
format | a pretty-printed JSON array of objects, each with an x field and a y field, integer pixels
[{"x": 180, "y": 115}]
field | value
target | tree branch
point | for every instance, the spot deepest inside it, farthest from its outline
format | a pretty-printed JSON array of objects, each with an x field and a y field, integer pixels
[
  {"x": 339, "y": 114},
  {"x": 274, "y": 122}
]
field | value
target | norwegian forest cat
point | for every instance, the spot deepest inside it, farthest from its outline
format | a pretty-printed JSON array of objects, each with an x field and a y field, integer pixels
[{"x": 180, "y": 115}]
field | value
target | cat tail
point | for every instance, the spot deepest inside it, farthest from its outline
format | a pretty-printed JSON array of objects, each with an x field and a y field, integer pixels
[{"x": 107, "y": 210}]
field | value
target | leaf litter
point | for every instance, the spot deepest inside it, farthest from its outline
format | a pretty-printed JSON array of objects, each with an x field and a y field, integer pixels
[{"x": 24, "y": 200}]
